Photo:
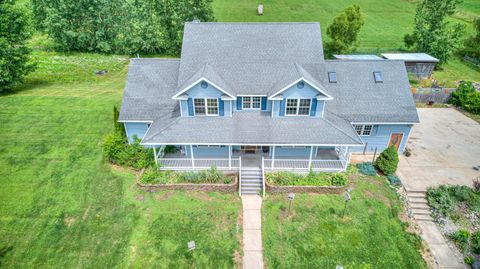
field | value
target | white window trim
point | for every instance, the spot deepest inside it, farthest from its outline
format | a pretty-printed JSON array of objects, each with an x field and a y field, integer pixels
[
  {"x": 208, "y": 146},
  {"x": 363, "y": 129},
  {"x": 251, "y": 102},
  {"x": 206, "y": 107},
  {"x": 298, "y": 107}
]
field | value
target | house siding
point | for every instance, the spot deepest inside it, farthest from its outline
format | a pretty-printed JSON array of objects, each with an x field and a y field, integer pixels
[
  {"x": 220, "y": 152},
  {"x": 137, "y": 129},
  {"x": 198, "y": 92},
  {"x": 381, "y": 137}
]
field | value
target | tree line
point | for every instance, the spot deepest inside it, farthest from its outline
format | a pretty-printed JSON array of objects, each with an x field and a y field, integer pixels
[{"x": 118, "y": 26}]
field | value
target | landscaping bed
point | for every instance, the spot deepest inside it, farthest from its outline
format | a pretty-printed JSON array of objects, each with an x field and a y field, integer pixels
[
  {"x": 456, "y": 210},
  {"x": 322, "y": 182},
  {"x": 207, "y": 180}
]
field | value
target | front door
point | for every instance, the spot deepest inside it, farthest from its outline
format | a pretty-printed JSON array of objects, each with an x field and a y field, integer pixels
[
  {"x": 395, "y": 140},
  {"x": 249, "y": 149}
]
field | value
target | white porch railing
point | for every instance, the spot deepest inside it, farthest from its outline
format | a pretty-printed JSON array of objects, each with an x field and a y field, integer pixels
[
  {"x": 198, "y": 164},
  {"x": 303, "y": 165}
]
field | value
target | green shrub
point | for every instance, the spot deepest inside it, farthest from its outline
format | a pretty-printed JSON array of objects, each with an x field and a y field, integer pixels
[
  {"x": 440, "y": 200},
  {"x": 466, "y": 97},
  {"x": 169, "y": 149},
  {"x": 394, "y": 180},
  {"x": 117, "y": 151},
  {"x": 461, "y": 238},
  {"x": 285, "y": 178},
  {"x": 113, "y": 145},
  {"x": 367, "y": 168},
  {"x": 469, "y": 260},
  {"x": 476, "y": 242},
  {"x": 155, "y": 176},
  {"x": 387, "y": 161},
  {"x": 339, "y": 179}
]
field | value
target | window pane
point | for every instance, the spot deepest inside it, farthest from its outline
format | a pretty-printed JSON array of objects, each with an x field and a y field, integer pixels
[
  {"x": 304, "y": 108},
  {"x": 332, "y": 77},
  {"x": 367, "y": 129},
  {"x": 291, "y": 108},
  {"x": 247, "y": 102},
  {"x": 199, "y": 106},
  {"x": 358, "y": 129},
  {"x": 256, "y": 101},
  {"x": 212, "y": 106}
]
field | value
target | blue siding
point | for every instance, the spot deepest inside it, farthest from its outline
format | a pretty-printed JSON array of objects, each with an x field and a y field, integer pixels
[
  {"x": 184, "y": 107},
  {"x": 269, "y": 105},
  {"x": 221, "y": 152},
  {"x": 137, "y": 129},
  {"x": 264, "y": 103},
  {"x": 320, "y": 108},
  {"x": 381, "y": 137},
  {"x": 227, "y": 108},
  {"x": 292, "y": 152},
  {"x": 198, "y": 92},
  {"x": 190, "y": 107},
  {"x": 282, "y": 108}
]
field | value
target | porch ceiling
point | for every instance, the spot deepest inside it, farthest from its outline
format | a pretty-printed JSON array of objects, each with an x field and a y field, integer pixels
[{"x": 257, "y": 128}]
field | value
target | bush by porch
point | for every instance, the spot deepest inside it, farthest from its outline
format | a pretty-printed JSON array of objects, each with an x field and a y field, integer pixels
[
  {"x": 211, "y": 176},
  {"x": 286, "y": 178}
]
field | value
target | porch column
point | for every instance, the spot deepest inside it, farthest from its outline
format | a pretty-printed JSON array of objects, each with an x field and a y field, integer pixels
[
  {"x": 310, "y": 160},
  {"x": 191, "y": 155},
  {"x": 229, "y": 157},
  {"x": 273, "y": 157},
  {"x": 155, "y": 155}
]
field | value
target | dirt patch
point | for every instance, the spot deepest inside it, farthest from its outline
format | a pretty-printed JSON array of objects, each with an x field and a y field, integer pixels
[
  {"x": 164, "y": 196},
  {"x": 85, "y": 214},
  {"x": 140, "y": 197},
  {"x": 200, "y": 195},
  {"x": 69, "y": 221}
]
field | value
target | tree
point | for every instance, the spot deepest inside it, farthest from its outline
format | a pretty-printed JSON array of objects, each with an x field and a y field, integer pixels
[
  {"x": 344, "y": 31},
  {"x": 472, "y": 44},
  {"x": 466, "y": 97},
  {"x": 387, "y": 161},
  {"x": 119, "y": 26},
  {"x": 432, "y": 33},
  {"x": 14, "y": 53}
]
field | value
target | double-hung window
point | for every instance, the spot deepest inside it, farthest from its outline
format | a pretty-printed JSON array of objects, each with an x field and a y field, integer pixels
[
  {"x": 298, "y": 107},
  {"x": 206, "y": 106},
  {"x": 252, "y": 102},
  {"x": 364, "y": 130}
]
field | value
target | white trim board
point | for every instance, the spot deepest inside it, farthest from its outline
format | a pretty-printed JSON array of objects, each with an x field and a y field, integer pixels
[
  {"x": 328, "y": 97},
  {"x": 176, "y": 96},
  {"x": 254, "y": 144}
]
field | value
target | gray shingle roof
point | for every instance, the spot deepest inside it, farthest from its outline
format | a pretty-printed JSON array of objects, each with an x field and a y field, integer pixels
[
  {"x": 241, "y": 53},
  {"x": 411, "y": 57},
  {"x": 151, "y": 83},
  {"x": 253, "y": 127}
]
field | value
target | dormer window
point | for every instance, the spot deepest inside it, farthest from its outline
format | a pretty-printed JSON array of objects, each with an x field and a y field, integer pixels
[
  {"x": 332, "y": 77},
  {"x": 377, "y": 75},
  {"x": 297, "y": 107},
  {"x": 205, "y": 106}
]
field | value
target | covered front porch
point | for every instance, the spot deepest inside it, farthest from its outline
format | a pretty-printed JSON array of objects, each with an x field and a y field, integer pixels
[{"x": 267, "y": 157}]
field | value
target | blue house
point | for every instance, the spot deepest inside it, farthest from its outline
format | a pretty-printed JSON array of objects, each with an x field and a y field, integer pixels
[{"x": 262, "y": 95}]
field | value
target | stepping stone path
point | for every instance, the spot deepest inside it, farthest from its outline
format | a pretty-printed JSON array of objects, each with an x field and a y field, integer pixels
[{"x": 252, "y": 232}]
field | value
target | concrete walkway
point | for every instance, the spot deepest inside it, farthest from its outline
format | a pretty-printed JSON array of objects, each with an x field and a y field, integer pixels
[{"x": 252, "y": 232}]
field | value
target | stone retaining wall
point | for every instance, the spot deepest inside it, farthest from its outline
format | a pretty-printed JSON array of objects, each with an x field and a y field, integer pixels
[
  {"x": 228, "y": 188},
  {"x": 307, "y": 189}
]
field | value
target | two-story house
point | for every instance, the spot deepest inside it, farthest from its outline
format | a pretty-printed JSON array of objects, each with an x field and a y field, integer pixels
[{"x": 264, "y": 93}]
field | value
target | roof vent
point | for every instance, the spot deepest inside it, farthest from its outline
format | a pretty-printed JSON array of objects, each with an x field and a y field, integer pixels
[
  {"x": 377, "y": 75},
  {"x": 332, "y": 77},
  {"x": 300, "y": 85},
  {"x": 204, "y": 85}
]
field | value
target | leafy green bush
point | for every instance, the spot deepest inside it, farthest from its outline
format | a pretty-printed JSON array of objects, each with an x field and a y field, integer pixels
[
  {"x": 394, "y": 180},
  {"x": 461, "y": 238},
  {"x": 476, "y": 242},
  {"x": 440, "y": 200},
  {"x": 117, "y": 151},
  {"x": 469, "y": 260},
  {"x": 367, "y": 168},
  {"x": 212, "y": 175},
  {"x": 466, "y": 97},
  {"x": 285, "y": 178},
  {"x": 387, "y": 161}
]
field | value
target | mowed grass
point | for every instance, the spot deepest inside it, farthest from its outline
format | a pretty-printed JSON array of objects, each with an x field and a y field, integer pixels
[
  {"x": 314, "y": 234},
  {"x": 61, "y": 206},
  {"x": 386, "y": 23}
]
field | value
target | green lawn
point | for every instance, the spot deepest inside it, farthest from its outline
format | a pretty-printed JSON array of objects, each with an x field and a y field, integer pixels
[
  {"x": 386, "y": 22},
  {"x": 314, "y": 234},
  {"x": 61, "y": 206}
]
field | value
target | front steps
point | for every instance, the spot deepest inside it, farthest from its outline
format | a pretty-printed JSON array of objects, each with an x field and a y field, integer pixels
[
  {"x": 251, "y": 181},
  {"x": 418, "y": 204}
]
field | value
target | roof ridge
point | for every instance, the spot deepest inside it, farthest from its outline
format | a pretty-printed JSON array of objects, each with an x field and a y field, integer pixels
[{"x": 336, "y": 127}]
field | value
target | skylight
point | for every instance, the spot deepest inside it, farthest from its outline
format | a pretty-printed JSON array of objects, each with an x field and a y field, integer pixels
[
  {"x": 332, "y": 77},
  {"x": 377, "y": 75}
]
